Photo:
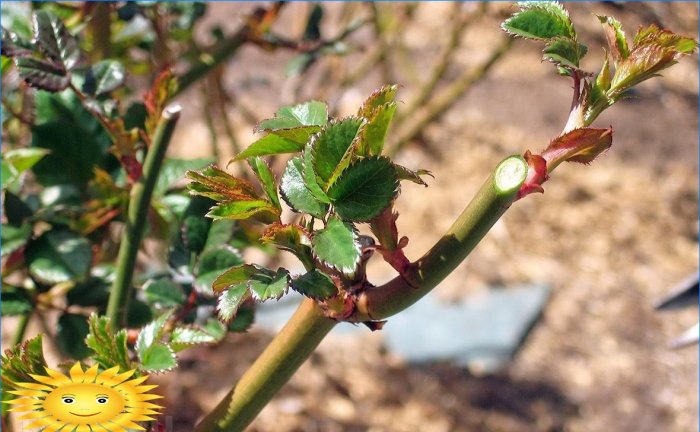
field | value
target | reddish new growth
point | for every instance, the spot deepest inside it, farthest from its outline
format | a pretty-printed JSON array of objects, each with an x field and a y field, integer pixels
[{"x": 580, "y": 145}]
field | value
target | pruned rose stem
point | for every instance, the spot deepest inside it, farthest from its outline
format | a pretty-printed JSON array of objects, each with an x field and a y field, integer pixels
[
  {"x": 139, "y": 205},
  {"x": 307, "y": 328}
]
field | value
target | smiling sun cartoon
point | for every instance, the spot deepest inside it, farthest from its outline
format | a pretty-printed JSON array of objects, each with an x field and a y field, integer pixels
[{"x": 85, "y": 401}]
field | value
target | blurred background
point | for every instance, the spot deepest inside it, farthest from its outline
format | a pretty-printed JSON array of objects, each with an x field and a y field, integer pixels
[{"x": 587, "y": 261}]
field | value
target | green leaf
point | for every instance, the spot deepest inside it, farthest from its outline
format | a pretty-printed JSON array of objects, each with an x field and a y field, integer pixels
[
  {"x": 163, "y": 293},
  {"x": 159, "y": 357},
  {"x": 70, "y": 335},
  {"x": 212, "y": 263},
  {"x": 230, "y": 300},
  {"x": 365, "y": 189},
  {"x": 565, "y": 52},
  {"x": 245, "y": 316},
  {"x": 245, "y": 209},
  {"x": 42, "y": 74},
  {"x": 16, "y": 210},
  {"x": 104, "y": 77},
  {"x": 312, "y": 113},
  {"x": 184, "y": 337},
  {"x": 330, "y": 145},
  {"x": 233, "y": 276},
  {"x": 378, "y": 98},
  {"x": 109, "y": 347},
  {"x": 152, "y": 333},
  {"x": 138, "y": 314},
  {"x": 220, "y": 232},
  {"x": 300, "y": 134},
  {"x": 14, "y": 238},
  {"x": 617, "y": 41},
  {"x": 18, "y": 363},
  {"x": 215, "y": 328},
  {"x": 59, "y": 256},
  {"x": 75, "y": 138},
  {"x": 269, "y": 286},
  {"x": 270, "y": 144},
  {"x": 337, "y": 246},
  {"x": 373, "y": 133},
  {"x": 24, "y": 158},
  {"x": 310, "y": 176},
  {"x": 15, "y": 45},
  {"x": 92, "y": 292},
  {"x": 15, "y": 301},
  {"x": 55, "y": 39},
  {"x": 296, "y": 194},
  {"x": 267, "y": 179},
  {"x": 540, "y": 20},
  {"x": 315, "y": 284}
]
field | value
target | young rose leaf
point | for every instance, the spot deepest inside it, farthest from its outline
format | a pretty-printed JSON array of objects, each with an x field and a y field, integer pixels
[
  {"x": 59, "y": 256},
  {"x": 219, "y": 185},
  {"x": 159, "y": 357},
  {"x": 292, "y": 238},
  {"x": 155, "y": 355},
  {"x": 310, "y": 176},
  {"x": 233, "y": 276},
  {"x": 184, "y": 337},
  {"x": 299, "y": 135},
  {"x": 245, "y": 209},
  {"x": 42, "y": 74},
  {"x": 104, "y": 77},
  {"x": 163, "y": 293},
  {"x": 373, "y": 132},
  {"x": 70, "y": 335},
  {"x": 565, "y": 52},
  {"x": 330, "y": 145},
  {"x": 109, "y": 347},
  {"x": 604, "y": 78},
  {"x": 540, "y": 20},
  {"x": 580, "y": 145},
  {"x": 212, "y": 263},
  {"x": 230, "y": 300},
  {"x": 18, "y": 364},
  {"x": 24, "y": 158},
  {"x": 615, "y": 37},
  {"x": 55, "y": 40},
  {"x": 403, "y": 173},
  {"x": 337, "y": 246},
  {"x": 311, "y": 113},
  {"x": 378, "y": 98},
  {"x": 15, "y": 301},
  {"x": 264, "y": 286},
  {"x": 14, "y": 45},
  {"x": 267, "y": 179},
  {"x": 365, "y": 189},
  {"x": 270, "y": 144},
  {"x": 654, "y": 50},
  {"x": 296, "y": 194},
  {"x": 13, "y": 237},
  {"x": 315, "y": 284},
  {"x": 173, "y": 170}
]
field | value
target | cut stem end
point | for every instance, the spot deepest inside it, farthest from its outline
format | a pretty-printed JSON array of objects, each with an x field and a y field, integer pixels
[{"x": 510, "y": 175}]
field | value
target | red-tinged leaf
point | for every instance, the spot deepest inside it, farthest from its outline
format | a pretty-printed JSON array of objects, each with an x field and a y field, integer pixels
[
  {"x": 378, "y": 98},
  {"x": 219, "y": 185},
  {"x": 536, "y": 175},
  {"x": 580, "y": 145},
  {"x": 292, "y": 238},
  {"x": 163, "y": 88},
  {"x": 403, "y": 173},
  {"x": 615, "y": 36},
  {"x": 234, "y": 276},
  {"x": 384, "y": 228},
  {"x": 42, "y": 74},
  {"x": 133, "y": 168}
]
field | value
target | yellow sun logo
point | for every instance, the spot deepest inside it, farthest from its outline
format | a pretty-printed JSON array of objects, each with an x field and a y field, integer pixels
[{"x": 87, "y": 401}]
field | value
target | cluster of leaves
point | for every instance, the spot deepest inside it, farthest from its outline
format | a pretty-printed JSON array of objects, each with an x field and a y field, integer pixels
[
  {"x": 338, "y": 177},
  {"x": 66, "y": 191},
  {"x": 625, "y": 66}
]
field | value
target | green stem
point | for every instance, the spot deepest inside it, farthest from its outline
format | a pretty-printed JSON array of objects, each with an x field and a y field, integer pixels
[
  {"x": 21, "y": 328},
  {"x": 491, "y": 201},
  {"x": 307, "y": 328},
  {"x": 282, "y": 357},
  {"x": 139, "y": 206}
]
